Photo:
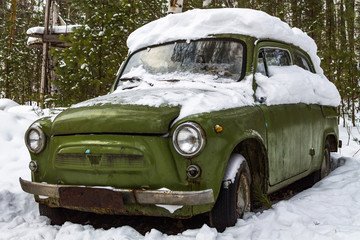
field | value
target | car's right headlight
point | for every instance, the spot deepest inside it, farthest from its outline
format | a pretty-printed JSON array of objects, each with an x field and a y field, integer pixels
[
  {"x": 35, "y": 139},
  {"x": 189, "y": 139}
]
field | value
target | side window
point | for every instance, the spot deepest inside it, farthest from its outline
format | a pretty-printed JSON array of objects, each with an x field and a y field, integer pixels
[
  {"x": 268, "y": 57},
  {"x": 277, "y": 57},
  {"x": 301, "y": 61}
]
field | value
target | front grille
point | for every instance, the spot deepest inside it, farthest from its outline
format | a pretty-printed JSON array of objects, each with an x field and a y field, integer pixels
[{"x": 84, "y": 160}]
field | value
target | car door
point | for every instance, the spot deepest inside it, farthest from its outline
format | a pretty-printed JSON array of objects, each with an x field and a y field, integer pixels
[
  {"x": 288, "y": 124},
  {"x": 316, "y": 116}
]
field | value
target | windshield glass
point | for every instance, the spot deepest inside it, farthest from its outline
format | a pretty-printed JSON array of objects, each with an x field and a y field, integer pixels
[{"x": 220, "y": 58}]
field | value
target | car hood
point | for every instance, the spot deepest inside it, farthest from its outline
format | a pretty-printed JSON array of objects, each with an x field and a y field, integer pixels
[
  {"x": 149, "y": 110},
  {"x": 115, "y": 118}
]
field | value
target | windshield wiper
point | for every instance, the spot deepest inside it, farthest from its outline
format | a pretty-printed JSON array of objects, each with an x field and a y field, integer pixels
[
  {"x": 132, "y": 82},
  {"x": 130, "y": 79},
  {"x": 170, "y": 80}
]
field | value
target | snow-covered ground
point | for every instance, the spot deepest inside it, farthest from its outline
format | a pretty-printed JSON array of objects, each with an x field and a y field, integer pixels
[{"x": 328, "y": 210}]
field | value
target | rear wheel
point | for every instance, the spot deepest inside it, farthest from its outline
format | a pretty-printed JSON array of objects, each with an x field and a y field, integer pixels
[
  {"x": 325, "y": 165},
  {"x": 233, "y": 201}
]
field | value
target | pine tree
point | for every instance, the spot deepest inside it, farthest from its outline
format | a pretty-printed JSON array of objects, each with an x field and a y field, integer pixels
[
  {"x": 19, "y": 65},
  {"x": 87, "y": 69}
]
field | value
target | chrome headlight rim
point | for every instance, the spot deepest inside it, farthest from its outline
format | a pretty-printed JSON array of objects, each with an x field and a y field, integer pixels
[
  {"x": 42, "y": 139},
  {"x": 201, "y": 136}
]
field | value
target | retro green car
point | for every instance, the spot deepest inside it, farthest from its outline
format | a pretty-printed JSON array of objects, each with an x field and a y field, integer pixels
[{"x": 206, "y": 108}]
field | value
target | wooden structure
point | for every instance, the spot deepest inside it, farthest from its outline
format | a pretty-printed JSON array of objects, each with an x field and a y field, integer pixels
[{"x": 46, "y": 37}]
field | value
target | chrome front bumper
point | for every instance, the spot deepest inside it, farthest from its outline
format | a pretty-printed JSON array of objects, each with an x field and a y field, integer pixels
[{"x": 167, "y": 197}]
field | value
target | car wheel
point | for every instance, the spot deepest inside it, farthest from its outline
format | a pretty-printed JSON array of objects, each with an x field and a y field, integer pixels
[
  {"x": 325, "y": 165},
  {"x": 56, "y": 215},
  {"x": 233, "y": 201}
]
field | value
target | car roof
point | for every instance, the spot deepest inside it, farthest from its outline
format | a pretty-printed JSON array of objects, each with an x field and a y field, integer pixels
[{"x": 203, "y": 23}]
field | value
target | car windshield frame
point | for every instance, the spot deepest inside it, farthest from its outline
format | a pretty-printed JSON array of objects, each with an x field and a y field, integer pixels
[{"x": 242, "y": 65}]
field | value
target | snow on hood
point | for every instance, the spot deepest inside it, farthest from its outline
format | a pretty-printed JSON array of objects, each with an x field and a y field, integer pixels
[
  {"x": 193, "y": 97},
  {"x": 200, "y": 93},
  {"x": 201, "y": 23},
  {"x": 292, "y": 84}
]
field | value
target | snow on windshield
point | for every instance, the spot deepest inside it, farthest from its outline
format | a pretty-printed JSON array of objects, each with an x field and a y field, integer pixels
[
  {"x": 200, "y": 23},
  {"x": 211, "y": 56}
]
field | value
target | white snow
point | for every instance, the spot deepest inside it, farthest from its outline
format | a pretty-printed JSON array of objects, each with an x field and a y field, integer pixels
[
  {"x": 170, "y": 208},
  {"x": 15, "y": 119},
  {"x": 5, "y": 104},
  {"x": 292, "y": 84},
  {"x": 201, "y": 23},
  {"x": 201, "y": 93},
  {"x": 33, "y": 40},
  {"x": 55, "y": 29},
  {"x": 233, "y": 166},
  {"x": 328, "y": 210}
]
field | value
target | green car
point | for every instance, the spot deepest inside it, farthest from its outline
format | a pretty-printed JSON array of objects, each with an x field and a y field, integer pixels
[{"x": 206, "y": 109}]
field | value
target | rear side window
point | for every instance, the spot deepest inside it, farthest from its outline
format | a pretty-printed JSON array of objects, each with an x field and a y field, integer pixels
[{"x": 301, "y": 61}]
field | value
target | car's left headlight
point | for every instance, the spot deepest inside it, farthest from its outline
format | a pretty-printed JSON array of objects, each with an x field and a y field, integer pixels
[
  {"x": 35, "y": 139},
  {"x": 189, "y": 139}
]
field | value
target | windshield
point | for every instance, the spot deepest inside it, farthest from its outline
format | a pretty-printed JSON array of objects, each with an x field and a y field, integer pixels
[{"x": 220, "y": 58}]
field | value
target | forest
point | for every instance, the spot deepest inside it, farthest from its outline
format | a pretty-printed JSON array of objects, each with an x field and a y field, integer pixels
[{"x": 87, "y": 69}]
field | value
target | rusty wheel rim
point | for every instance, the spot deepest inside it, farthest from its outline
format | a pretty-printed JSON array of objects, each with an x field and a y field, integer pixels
[
  {"x": 325, "y": 165},
  {"x": 243, "y": 196}
]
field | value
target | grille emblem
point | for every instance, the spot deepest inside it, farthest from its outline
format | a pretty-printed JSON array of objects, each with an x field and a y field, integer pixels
[{"x": 94, "y": 159}]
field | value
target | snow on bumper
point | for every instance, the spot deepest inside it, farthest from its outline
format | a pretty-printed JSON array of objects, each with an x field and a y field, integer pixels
[{"x": 115, "y": 198}]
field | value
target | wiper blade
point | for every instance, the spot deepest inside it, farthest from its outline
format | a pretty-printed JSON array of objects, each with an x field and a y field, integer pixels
[
  {"x": 130, "y": 79},
  {"x": 170, "y": 80},
  {"x": 130, "y": 82}
]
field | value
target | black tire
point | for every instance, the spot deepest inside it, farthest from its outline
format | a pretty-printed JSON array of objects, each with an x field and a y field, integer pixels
[
  {"x": 325, "y": 167},
  {"x": 56, "y": 215},
  {"x": 233, "y": 201},
  {"x": 325, "y": 164}
]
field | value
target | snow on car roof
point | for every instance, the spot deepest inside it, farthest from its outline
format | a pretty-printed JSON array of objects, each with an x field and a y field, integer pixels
[{"x": 200, "y": 23}]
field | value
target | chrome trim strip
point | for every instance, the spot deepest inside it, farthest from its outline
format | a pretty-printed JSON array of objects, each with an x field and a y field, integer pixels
[
  {"x": 190, "y": 198},
  {"x": 42, "y": 189}
]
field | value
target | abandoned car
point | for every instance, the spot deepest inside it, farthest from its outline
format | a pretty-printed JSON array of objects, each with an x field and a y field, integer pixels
[{"x": 209, "y": 106}]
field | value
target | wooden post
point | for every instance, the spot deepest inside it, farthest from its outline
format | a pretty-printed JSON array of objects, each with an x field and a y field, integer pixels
[{"x": 44, "y": 83}]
